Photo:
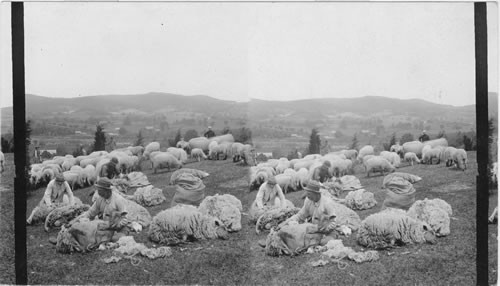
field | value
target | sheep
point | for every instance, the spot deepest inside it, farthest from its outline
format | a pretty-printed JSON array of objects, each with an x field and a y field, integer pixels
[
  {"x": 285, "y": 182},
  {"x": 448, "y": 154},
  {"x": 199, "y": 142},
  {"x": 86, "y": 235},
  {"x": 197, "y": 173},
  {"x": 392, "y": 157},
  {"x": 148, "y": 196},
  {"x": 428, "y": 155},
  {"x": 283, "y": 164},
  {"x": 165, "y": 160},
  {"x": 2, "y": 162},
  {"x": 227, "y": 208},
  {"x": 350, "y": 154},
  {"x": 235, "y": 151},
  {"x": 341, "y": 167},
  {"x": 302, "y": 177},
  {"x": 183, "y": 145},
  {"x": 342, "y": 214},
  {"x": 176, "y": 225},
  {"x": 136, "y": 150},
  {"x": 413, "y": 146},
  {"x": 460, "y": 159},
  {"x": 304, "y": 163},
  {"x": 378, "y": 163},
  {"x": 220, "y": 149},
  {"x": 411, "y": 157},
  {"x": 312, "y": 157},
  {"x": 248, "y": 155},
  {"x": 74, "y": 179},
  {"x": 151, "y": 147},
  {"x": 179, "y": 153},
  {"x": 41, "y": 211},
  {"x": 393, "y": 227},
  {"x": 366, "y": 150},
  {"x": 437, "y": 142},
  {"x": 222, "y": 138},
  {"x": 198, "y": 154},
  {"x": 258, "y": 175},
  {"x": 89, "y": 161},
  {"x": 397, "y": 148},
  {"x": 128, "y": 164},
  {"x": 211, "y": 149},
  {"x": 292, "y": 239},
  {"x": 436, "y": 213},
  {"x": 89, "y": 175}
]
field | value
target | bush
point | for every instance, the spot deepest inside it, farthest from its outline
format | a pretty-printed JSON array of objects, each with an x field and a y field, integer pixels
[
  {"x": 314, "y": 142},
  {"x": 407, "y": 137}
]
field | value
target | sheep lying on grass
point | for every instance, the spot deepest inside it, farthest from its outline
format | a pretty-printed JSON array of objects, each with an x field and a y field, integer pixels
[
  {"x": 393, "y": 227},
  {"x": 227, "y": 208},
  {"x": 41, "y": 211},
  {"x": 436, "y": 213},
  {"x": 411, "y": 157},
  {"x": 86, "y": 235},
  {"x": 292, "y": 239},
  {"x": 180, "y": 223}
]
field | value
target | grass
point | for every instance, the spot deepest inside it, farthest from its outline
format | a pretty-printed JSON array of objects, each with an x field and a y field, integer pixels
[{"x": 240, "y": 260}]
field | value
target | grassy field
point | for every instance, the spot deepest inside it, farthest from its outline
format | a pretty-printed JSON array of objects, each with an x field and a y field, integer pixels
[{"x": 240, "y": 260}]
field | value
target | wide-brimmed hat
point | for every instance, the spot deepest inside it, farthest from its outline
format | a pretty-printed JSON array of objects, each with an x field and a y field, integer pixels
[
  {"x": 103, "y": 184},
  {"x": 313, "y": 186},
  {"x": 271, "y": 181},
  {"x": 327, "y": 163},
  {"x": 114, "y": 160},
  {"x": 60, "y": 177}
]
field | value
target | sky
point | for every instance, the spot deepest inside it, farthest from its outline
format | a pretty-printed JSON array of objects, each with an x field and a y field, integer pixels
[{"x": 238, "y": 51}]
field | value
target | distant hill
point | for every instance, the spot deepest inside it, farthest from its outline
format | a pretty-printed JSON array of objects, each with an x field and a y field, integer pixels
[{"x": 287, "y": 115}]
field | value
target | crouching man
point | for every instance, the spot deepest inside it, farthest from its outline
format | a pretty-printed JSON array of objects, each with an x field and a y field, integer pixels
[{"x": 105, "y": 207}]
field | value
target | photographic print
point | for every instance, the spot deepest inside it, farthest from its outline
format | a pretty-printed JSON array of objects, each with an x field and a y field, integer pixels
[{"x": 237, "y": 143}]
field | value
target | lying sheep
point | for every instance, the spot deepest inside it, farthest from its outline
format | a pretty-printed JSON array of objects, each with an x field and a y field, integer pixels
[
  {"x": 198, "y": 154},
  {"x": 86, "y": 235},
  {"x": 411, "y": 157},
  {"x": 165, "y": 160},
  {"x": 379, "y": 164},
  {"x": 176, "y": 225},
  {"x": 292, "y": 239},
  {"x": 227, "y": 208},
  {"x": 460, "y": 159},
  {"x": 436, "y": 213},
  {"x": 393, "y": 227}
]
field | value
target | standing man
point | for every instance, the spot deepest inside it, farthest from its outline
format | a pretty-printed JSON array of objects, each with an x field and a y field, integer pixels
[
  {"x": 110, "y": 170},
  {"x": 210, "y": 133},
  {"x": 36, "y": 155},
  {"x": 424, "y": 137}
]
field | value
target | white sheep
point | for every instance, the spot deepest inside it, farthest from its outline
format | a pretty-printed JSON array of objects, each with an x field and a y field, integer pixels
[
  {"x": 227, "y": 208},
  {"x": 260, "y": 174},
  {"x": 89, "y": 161},
  {"x": 448, "y": 154},
  {"x": 312, "y": 157},
  {"x": 286, "y": 182},
  {"x": 393, "y": 227},
  {"x": 236, "y": 147},
  {"x": 283, "y": 164},
  {"x": 165, "y": 160},
  {"x": 198, "y": 154},
  {"x": 341, "y": 167},
  {"x": 303, "y": 163},
  {"x": 151, "y": 147},
  {"x": 379, "y": 164},
  {"x": 148, "y": 196},
  {"x": 302, "y": 177},
  {"x": 460, "y": 159},
  {"x": 351, "y": 154},
  {"x": 182, "y": 222},
  {"x": 366, "y": 150},
  {"x": 428, "y": 155},
  {"x": 397, "y": 148},
  {"x": 436, "y": 213},
  {"x": 183, "y": 145},
  {"x": 89, "y": 175},
  {"x": 74, "y": 179},
  {"x": 211, "y": 149},
  {"x": 179, "y": 153},
  {"x": 413, "y": 146},
  {"x": 392, "y": 157},
  {"x": 127, "y": 164},
  {"x": 411, "y": 157}
]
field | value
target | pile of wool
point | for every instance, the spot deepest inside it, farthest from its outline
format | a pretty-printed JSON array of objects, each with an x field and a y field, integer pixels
[
  {"x": 255, "y": 212},
  {"x": 148, "y": 196},
  {"x": 335, "y": 251},
  {"x": 226, "y": 208},
  {"x": 343, "y": 184},
  {"x": 273, "y": 217},
  {"x": 343, "y": 216},
  {"x": 137, "y": 179},
  {"x": 127, "y": 247},
  {"x": 360, "y": 200},
  {"x": 292, "y": 239},
  {"x": 62, "y": 215},
  {"x": 40, "y": 212},
  {"x": 174, "y": 178}
]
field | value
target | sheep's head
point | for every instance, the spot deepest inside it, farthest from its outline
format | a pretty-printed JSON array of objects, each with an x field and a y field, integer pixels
[
  {"x": 220, "y": 229},
  {"x": 429, "y": 235}
]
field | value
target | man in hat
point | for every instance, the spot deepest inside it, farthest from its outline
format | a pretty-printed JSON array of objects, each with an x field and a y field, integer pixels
[
  {"x": 110, "y": 170},
  {"x": 424, "y": 137},
  {"x": 55, "y": 192},
  {"x": 210, "y": 133},
  {"x": 317, "y": 208},
  {"x": 322, "y": 173},
  {"x": 36, "y": 155},
  {"x": 268, "y": 194},
  {"x": 106, "y": 203}
]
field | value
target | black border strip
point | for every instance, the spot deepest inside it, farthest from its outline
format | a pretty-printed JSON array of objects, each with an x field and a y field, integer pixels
[
  {"x": 19, "y": 104},
  {"x": 481, "y": 48}
]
